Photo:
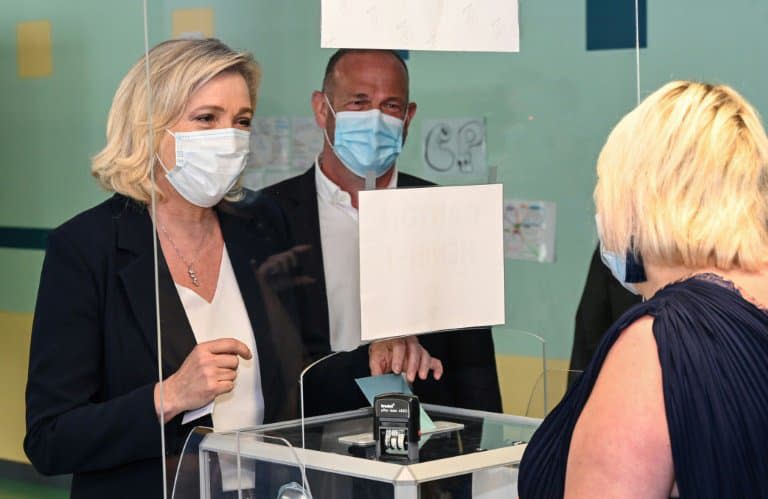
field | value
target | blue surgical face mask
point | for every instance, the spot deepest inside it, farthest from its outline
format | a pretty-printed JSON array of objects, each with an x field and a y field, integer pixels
[
  {"x": 627, "y": 269},
  {"x": 366, "y": 141}
]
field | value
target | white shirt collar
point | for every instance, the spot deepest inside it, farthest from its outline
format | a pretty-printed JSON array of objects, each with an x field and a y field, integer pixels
[{"x": 329, "y": 192}]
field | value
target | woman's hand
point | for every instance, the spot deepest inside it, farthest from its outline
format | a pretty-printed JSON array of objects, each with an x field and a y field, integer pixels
[
  {"x": 208, "y": 371},
  {"x": 392, "y": 355}
]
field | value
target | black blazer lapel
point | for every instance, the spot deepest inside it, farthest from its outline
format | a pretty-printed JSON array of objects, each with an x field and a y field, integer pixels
[
  {"x": 406, "y": 180},
  {"x": 136, "y": 271},
  {"x": 298, "y": 197}
]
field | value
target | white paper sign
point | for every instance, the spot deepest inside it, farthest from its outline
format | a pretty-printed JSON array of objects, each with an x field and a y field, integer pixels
[
  {"x": 457, "y": 25},
  {"x": 430, "y": 259}
]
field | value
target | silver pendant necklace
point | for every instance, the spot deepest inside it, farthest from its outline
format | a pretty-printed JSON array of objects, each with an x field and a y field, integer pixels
[{"x": 189, "y": 263}]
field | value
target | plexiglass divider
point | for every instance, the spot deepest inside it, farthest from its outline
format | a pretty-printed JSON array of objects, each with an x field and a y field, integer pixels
[
  {"x": 262, "y": 267},
  {"x": 535, "y": 396},
  {"x": 166, "y": 473},
  {"x": 549, "y": 388},
  {"x": 239, "y": 464},
  {"x": 187, "y": 472},
  {"x": 301, "y": 394},
  {"x": 285, "y": 267},
  {"x": 524, "y": 370}
]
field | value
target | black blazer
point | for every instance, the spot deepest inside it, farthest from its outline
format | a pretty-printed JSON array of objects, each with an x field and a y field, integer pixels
[
  {"x": 470, "y": 378},
  {"x": 602, "y": 302},
  {"x": 93, "y": 358}
]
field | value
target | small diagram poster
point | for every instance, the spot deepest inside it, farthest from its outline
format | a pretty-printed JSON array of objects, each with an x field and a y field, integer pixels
[
  {"x": 529, "y": 230},
  {"x": 454, "y": 147}
]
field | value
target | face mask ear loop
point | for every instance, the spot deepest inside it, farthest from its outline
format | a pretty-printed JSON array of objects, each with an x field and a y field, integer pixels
[
  {"x": 167, "y": 171},
  {"x": 325, "y": 131},
  {"x": 328, "y": 102},
  {"x": 327, "y": 139}
]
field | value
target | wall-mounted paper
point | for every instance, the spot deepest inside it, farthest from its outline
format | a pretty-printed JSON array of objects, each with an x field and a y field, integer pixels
[
  {"x": 458, "y": 25},
  {"x": 306, "y": 141},
  {"x": 454, "y": 147},
  {"x": 284, "y": 143},
  {"x": 270, "y": 142},
  {"x": 529, "y": 230},
  {"x": 430, "y": 259},
  {"x": 281, "y": 147},
  {"x": 33, "y": 49},
  {"x": 193, "y": 22}
]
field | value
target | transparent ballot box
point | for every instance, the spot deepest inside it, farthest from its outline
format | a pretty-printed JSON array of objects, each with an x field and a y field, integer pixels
[{"x": 470, "y": 454}]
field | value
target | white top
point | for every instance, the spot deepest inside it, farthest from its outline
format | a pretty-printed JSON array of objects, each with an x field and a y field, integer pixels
[
  {"x": 227, "y": 317},
  {"x": 339, "y": 236}
]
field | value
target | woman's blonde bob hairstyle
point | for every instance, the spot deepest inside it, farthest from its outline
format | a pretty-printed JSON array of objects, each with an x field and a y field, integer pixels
[
  {"x": 683, "y": 180},
  {"x": 177, "y": 68}
]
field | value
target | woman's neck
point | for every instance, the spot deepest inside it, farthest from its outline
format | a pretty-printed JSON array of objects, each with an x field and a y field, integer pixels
[
  {"x": 658, "y": 276},
  {"x": 754, "y": 285}
]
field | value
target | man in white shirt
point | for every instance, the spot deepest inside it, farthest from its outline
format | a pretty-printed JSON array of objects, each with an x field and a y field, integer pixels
[{"x": 364, "y": 110}]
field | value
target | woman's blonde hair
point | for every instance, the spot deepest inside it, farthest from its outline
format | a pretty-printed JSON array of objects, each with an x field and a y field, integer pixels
[
  {"x": 683, "y": 180},
  {"x": 177, "y": 68}
]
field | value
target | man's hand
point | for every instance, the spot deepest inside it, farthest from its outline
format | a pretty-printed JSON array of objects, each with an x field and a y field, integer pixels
[
  {"x": 403, "y": 354},
  {"x": 279, "y": 270}
]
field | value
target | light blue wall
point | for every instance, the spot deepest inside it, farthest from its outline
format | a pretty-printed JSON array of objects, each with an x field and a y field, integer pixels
[
  {"x": 548, "y": 110},
  {"x": 51, "y": 126}
]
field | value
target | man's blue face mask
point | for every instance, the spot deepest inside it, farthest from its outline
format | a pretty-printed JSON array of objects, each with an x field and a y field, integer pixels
[
  {"x": 627, "y": 269},
  {"x": 366, "y": 141}
]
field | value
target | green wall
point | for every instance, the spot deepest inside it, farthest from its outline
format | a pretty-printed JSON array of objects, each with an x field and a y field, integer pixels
[{"x": 548, "y": 110}]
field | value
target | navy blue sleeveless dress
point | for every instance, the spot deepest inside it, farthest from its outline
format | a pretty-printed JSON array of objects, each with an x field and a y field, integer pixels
[{"x": 713, "y": 350}]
